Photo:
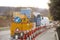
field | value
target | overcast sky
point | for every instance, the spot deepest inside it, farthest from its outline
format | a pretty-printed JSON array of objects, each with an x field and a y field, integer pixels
[{"x": 25, "y": 3}]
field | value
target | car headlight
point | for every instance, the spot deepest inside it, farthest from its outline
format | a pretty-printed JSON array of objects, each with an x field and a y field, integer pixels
[{"x": 17, "y": 19}]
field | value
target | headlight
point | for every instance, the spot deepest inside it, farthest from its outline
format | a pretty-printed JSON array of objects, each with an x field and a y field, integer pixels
[
  {"x": 17, "y": 29},
  {"x": 17, "y": 19}
]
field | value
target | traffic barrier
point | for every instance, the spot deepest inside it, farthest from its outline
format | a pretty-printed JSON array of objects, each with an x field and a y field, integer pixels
[
  {"x": 25, "y": 36},
  {"x": 32, "y": 34},
  {"x": 33, "y": 39},
  {"x": 38, "y": 32}
]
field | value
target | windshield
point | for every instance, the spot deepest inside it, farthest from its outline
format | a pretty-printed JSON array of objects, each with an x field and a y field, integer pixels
[{"x": 27, "y": 12}]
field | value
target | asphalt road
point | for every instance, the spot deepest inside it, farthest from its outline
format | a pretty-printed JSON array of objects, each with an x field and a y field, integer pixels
[
  {"x": 5, "y": 35},
  {"x": 49, "y": 35}
]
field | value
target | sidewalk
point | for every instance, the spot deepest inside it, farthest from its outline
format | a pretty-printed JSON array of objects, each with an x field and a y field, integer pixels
[{"x": 4, "y": 32}]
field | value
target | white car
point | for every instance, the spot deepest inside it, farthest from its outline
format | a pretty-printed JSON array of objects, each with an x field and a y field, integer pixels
[{"x": 45, "y": 21}]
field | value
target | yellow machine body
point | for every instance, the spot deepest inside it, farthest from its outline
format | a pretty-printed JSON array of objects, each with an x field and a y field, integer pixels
[{"x": 24, "y": 25}]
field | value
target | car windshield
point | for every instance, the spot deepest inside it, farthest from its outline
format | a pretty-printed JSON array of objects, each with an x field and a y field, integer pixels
[{"x": 27, "y": 12}]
